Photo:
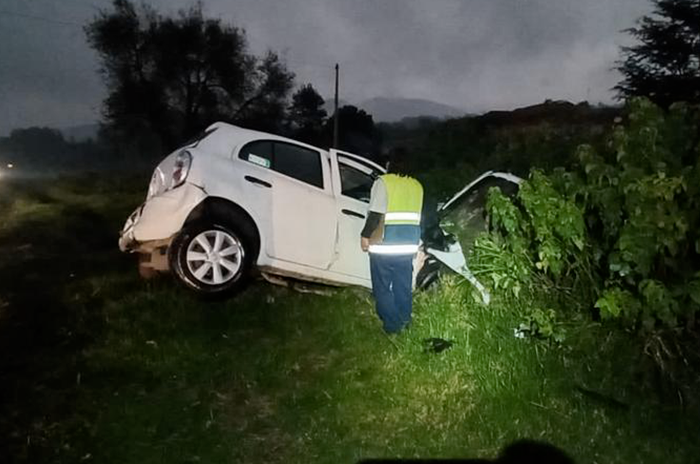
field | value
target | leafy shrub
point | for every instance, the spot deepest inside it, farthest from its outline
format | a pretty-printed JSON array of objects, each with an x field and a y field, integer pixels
[
  {"x": 506, "y": 271},
  {"x": 624, "y": 221},
  {"x": 542, "y": 324}
]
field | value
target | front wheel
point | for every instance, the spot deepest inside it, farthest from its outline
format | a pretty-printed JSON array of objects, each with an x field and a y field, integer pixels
[
  {"x": 212, "y": 259},
  {"x": 429, "y": 274}
]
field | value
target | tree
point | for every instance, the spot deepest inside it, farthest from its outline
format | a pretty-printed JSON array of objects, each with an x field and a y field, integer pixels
[
  {"x": 665, "y": 65},
  {"x": 265, "y": 107},
  {"x": 306, "y": 114},
  {"x": 357, "y": 132},
  {"x": 174, "y": 76}
]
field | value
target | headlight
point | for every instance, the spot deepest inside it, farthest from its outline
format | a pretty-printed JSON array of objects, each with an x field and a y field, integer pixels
[
  {"x": 171, "y": 173},
  {"x": 157, "y": 185},
  {"x": 183, "y": 161}
]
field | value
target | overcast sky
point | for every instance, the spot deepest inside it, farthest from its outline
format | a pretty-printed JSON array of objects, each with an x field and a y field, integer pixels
[{"x": 472, "y": 54}]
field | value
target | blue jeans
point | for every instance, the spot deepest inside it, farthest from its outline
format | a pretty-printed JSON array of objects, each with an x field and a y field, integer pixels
[{"x": 392, "y": 278}]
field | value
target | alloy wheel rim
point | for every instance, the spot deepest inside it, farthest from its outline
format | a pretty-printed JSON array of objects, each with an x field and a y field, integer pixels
[{"x": 214, "y": 257}]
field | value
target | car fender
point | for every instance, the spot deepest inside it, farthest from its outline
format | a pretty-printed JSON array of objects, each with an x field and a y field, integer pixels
[
  {"x": 163, "y": 215},
  {"x": 217, "y": 208}
]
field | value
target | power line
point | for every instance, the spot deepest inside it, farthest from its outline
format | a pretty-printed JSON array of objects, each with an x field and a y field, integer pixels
[{"x": 38, "y": 18}]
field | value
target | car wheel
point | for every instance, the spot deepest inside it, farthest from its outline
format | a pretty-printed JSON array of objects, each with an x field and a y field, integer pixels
[
  {"x": 429, "y": 275},
  {"x": 212, "y": 259}
]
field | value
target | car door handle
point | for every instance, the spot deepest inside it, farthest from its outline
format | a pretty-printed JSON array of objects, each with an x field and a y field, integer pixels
[
  {"x": 257, "y": 181},
  {"x": 349, "y": 212}
]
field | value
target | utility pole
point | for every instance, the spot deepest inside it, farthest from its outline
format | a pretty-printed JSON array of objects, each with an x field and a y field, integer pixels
[{"x": 335, "y": 113}]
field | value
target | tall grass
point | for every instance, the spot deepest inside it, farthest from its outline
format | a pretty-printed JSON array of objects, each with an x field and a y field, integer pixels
[{"x": 142, "y": 371}]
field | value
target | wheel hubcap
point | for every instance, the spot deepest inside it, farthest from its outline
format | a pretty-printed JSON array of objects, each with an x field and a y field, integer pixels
[{"x": 214, "y": 257}]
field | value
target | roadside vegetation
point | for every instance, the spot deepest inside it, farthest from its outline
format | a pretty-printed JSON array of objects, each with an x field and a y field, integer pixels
[
  {"x": 590, "y": 341},
  {"x": 100, "y": 366}
]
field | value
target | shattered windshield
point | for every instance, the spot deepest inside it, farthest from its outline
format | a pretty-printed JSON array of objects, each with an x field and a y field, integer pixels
[{"x": 465, "y": 219}]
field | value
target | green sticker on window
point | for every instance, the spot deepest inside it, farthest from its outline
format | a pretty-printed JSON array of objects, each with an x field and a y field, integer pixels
[{"x": 259, "y": 160}]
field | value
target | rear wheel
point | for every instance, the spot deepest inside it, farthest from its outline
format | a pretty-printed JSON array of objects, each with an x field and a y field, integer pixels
[{"x": 211, "y": 259}]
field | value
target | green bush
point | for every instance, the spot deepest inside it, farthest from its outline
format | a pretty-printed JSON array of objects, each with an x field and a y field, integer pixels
[{"x": 621, "y": 227}]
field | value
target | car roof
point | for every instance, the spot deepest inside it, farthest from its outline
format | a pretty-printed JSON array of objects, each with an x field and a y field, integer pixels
[{"x": 225, "y": 137}]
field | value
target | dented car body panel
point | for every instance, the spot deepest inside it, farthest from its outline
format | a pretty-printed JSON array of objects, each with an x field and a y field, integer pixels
[{"x": 161, "y": 217}]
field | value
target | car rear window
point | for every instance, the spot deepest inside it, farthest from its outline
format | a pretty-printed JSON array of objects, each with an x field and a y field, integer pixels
[
  {"x": 291, "y": 160},
  {"x": 259, "y": 153}
]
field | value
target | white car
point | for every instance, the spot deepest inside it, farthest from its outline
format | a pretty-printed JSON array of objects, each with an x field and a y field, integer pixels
[{"x": 237, "y": 200}]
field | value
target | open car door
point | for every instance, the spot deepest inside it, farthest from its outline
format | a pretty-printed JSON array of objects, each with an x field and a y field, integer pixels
[{"x": 356, "y": 177}]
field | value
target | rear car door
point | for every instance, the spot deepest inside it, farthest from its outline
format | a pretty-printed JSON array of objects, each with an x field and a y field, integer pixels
[
  {"x": 258, "y": 178},
  {"x": 303, "y": 221}
]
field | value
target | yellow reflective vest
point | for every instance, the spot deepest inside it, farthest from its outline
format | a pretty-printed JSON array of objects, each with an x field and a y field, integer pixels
[{"x": 403, "y": 215}]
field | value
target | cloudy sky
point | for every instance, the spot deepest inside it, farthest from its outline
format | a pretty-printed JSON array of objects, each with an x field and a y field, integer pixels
[{"x": 473, "y": 54}]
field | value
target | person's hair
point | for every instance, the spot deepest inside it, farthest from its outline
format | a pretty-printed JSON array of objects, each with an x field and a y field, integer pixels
[{"x": 399, "y": 162}]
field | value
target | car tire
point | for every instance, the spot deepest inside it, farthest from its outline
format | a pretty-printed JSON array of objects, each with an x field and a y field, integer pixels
[
  {"x": 213, "y": 259},
  {"x": 429, "y": 275}
]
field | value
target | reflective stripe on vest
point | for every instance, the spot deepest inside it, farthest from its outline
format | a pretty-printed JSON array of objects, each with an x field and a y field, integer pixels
[
  {"x": 397, "y": 217},
  {"x": 393, "y": 249}
]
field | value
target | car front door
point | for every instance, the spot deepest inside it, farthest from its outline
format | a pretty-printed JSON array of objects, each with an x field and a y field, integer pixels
[{"x": 353, "y": 194}]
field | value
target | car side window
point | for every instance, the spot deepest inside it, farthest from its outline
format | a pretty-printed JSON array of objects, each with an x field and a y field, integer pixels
[
  {"x": 355, "y": 183},
  {"x": 291, "y": 160},
  {"x": 298, "y": 162},
  {"x": 259, "y": 153}
]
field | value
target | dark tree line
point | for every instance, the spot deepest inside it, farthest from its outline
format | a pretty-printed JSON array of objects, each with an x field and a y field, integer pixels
[
  {"x": 170, "y": 77},
  {"x": 45, "y": 150},
  {"x": 174, "y": 76}
]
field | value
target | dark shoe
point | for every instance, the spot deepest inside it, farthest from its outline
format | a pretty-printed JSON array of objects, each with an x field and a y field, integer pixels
[{"x": 436, "y": 345}]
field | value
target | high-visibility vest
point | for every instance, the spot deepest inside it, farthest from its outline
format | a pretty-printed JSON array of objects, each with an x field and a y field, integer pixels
[{"x": 402, "y": 218}]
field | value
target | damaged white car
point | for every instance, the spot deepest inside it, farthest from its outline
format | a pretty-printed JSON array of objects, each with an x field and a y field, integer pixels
[{"x": 236, "y": 201}]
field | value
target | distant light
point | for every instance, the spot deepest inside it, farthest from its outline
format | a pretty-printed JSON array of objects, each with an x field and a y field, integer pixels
[{"x": 10, "y": 165}]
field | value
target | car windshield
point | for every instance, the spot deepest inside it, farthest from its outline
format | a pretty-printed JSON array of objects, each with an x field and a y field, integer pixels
[{"x": 465, "y": 219}]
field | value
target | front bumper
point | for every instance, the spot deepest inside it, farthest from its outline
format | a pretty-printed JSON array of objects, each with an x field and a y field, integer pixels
[
  {"x": 454, "y": 258},
  {"x": 127, "y": 242},
  {"x": 155, "y": 222}
]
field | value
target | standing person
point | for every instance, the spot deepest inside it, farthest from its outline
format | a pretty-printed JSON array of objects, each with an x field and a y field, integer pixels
[{"x": 392, "y": 235}]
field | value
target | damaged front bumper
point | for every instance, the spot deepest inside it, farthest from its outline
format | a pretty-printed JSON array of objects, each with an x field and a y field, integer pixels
[
  {"x": 454, "y": 258},
  {"x": 153, "y": 224}
]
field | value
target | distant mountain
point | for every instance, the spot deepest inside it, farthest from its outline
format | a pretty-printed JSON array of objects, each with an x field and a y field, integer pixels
[
  {"x": 395, "y": 109},
  {"x": 80, "y": 133},
  {"x": 557, "y": 112}
]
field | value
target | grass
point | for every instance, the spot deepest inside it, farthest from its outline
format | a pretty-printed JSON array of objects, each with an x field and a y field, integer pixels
[{"x": 99, "y": 366}]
